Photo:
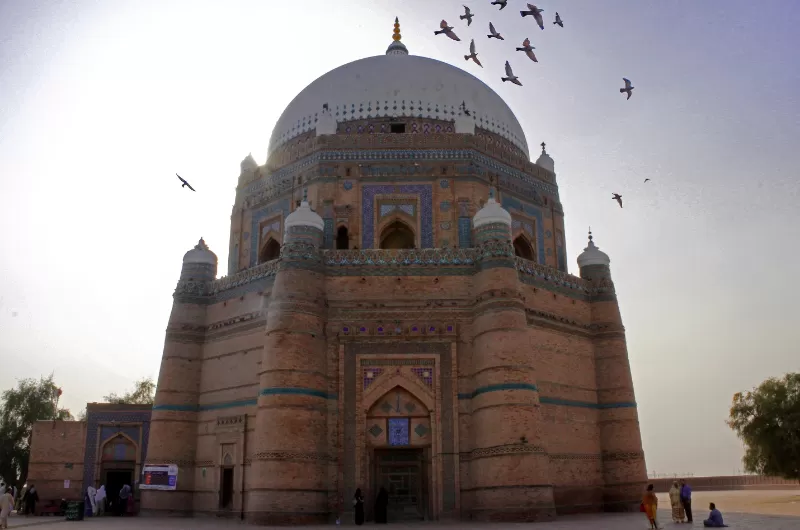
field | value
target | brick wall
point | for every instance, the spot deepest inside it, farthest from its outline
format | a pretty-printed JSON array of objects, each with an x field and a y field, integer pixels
[
  {"x": 729, "y": 483},
  {"x": 56, "y": 456}
]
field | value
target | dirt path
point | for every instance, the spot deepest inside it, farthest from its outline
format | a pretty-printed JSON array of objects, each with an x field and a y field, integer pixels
[{"x": 777, "y": 502}]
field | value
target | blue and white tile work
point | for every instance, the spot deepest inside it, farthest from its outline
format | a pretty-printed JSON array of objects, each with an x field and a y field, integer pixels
[
  {"x": 512, "y": 203},
  {"x": 281, "y": 207},
  {"x": 368, "y": 193},
  {"x": 103, "y": 425},
  {"x": 387, "y": 209},
  {"x": 464, "y": 232}
]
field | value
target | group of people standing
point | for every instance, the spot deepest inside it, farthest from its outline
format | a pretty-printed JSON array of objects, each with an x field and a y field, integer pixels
[
  {"x": 680, "y": 498},
  {"x": 27, "y": 505},
  {"x": 98, "y": 500},
  {"x": 381, "y": 506}
]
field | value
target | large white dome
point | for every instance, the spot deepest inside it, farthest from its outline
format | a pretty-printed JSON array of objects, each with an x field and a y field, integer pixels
[{"x": 399, "y": 85}]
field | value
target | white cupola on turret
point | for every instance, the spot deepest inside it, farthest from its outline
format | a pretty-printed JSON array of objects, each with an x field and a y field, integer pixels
[
  {"x": 592, "y": 255},
  {"x": 491, "y": 213},
  {"x": 249, "y": 163},
  {"x": 200, "y": 254},
  {"x": 303, "y": 216},
  {"x": 546, "y": 161}
]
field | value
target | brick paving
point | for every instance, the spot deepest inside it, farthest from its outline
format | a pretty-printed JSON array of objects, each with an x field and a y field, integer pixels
[{"x": 588, "y": 522}]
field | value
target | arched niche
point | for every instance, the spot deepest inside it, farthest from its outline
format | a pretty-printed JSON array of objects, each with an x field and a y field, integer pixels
[
  {"x": 523, "y": 248},
  {"x": 118, "y": 448},
  {"x": 269, "y": 251},
  {"x": 397, "y": 235},
  {"x": 342, "y": 238},
  {"x": 399, "y": 418}
]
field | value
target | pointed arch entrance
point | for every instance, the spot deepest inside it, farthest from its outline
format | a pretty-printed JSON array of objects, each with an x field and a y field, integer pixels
[
  {"x": 398, "y": 428},
  {"x": 397, "y": 235}
]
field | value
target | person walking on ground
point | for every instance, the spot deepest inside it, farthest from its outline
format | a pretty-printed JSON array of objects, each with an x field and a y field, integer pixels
[
  {"x": 122, "y": 502},
  {"x": 678, "y": 515},
  {"x": 358, "y": 507},
  {"x": 100, "y": 500},
  {"x": 91, "y": 493},
  {"x": 650, "y": 504},
  {"x": 31, "y": 498},
  {"x": 686, "y": 500},
  {"x": 714, "y": 518},
  {"x": 382, "y": 506},
  {"x": 6, "y": 505}
]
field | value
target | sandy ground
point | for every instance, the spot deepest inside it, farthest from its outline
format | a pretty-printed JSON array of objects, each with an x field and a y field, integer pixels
[{"x": 755, "y": 502}]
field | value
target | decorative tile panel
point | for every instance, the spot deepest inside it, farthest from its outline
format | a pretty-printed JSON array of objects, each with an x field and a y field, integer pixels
[
  {"x": 510, "y": 203},
  {"x": 424, "y": 192},
  {"x": 425, "y": 374},
  {"x": 444, "y": 183},
  {"x": 421, "y": 430},
  {"x": 445, "y": 206},
  {"x": 370, "y": 375},
  {"x": 282, "y": 207},
  {"x": 327, "y": 234},
  {"x": 464, "y": 232},
  {"x": 347, "y": 185},
  {"x": 375, "y": 430},
  {"x": 387, "y": 209},
  {"x": 93, "y": 428},
  {"x": 398, "y": 431}
]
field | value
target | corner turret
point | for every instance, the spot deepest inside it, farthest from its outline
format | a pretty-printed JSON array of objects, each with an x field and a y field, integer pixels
[
  {"x": 492, "y": 222},
  {"x": 546, "y": 161},
  {"x": 199, "y": 264}
]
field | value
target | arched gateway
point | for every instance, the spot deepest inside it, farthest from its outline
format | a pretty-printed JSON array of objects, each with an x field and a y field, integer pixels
[{"x": 388, "y": 331}]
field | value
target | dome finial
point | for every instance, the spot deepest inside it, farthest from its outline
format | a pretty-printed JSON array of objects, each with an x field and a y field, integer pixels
[
  {"x": 543, "y": 151},
  {"x": 396, "y": 47},
  {"x": 396, "y": 33},
  {"x": 491, "y": 192}
]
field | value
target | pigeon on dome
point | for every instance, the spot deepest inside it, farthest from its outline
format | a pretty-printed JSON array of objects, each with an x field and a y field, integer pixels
[
  {"x": 493, "y": 33},
  {"x": 628, "y": 88},
  {"x": 592, "y": 255},
  {"x": 396, "y": 47},
  {"x": 528, "y": 49},
  {"x": 510, "y": 76},
  {"x": 501, "y": 3},
  {"x": 467, "y": 16},
  {"x": 447, "y": 30},
  {"x": 536, "y": 13},
  {"x": 473, "y": 54}
]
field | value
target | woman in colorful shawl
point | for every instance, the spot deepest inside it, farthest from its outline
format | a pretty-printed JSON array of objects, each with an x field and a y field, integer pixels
[
  {"x": 678, "y": 515},
  {"x": 650, "y": 504}
]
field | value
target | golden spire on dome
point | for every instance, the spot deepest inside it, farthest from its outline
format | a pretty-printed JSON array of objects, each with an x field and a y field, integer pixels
[{"x": 396, "y": 33}]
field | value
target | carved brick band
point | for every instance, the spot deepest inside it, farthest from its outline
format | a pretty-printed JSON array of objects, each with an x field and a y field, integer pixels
[
  {"x": 502, "y": 450},
  {"x": 291, "y": 455},
  {"x": 631, "y": 455}
]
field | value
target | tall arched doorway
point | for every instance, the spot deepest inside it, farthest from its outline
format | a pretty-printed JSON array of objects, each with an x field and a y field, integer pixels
[
  {"x": 397, "y": 235},
  {"x": 117, "y": 466},
  {"x": 270, "y": 251},
  {"x": 342, "y": 238},
  {"x": 522, "y": 248}
]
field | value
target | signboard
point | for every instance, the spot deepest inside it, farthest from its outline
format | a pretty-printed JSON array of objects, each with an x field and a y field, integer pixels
[
  {"x": 66, "y": 484},
  {"x": 164, "y": 477}
]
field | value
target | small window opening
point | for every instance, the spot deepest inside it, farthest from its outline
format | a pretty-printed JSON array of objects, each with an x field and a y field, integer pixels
[
  {"x": 342, "y": 239},
  {"x": 397, "y": 128}
]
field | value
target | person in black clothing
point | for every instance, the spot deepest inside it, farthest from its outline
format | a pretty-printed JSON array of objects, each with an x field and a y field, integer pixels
[
  {"x": 31, "y": 498},
  {"x": 381, "y": 506},
  {"x": 358, "y": 506}
]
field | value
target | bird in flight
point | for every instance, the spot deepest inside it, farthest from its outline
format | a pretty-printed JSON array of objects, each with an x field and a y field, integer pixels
[
  {"x": 473, "y": 54},
  {"x": 646, "y": 180},
  {"x": 467, "y": 16},
  {"x": 447, "y": 30},
  {"x": 536, "y": 13},
  {"x": 528, "y": 49},
  {"x": 501, "y": 3},
  {"x": 185, "y": 184},
  {"x": 494, "y": 34},
  {"x": 617, "y": 197},
  {"x": 464, "y": 109},
  {"x": 510, "y": 76},
  {"x": 628, "y": 88},
  {"x": 558, "y": 20}
]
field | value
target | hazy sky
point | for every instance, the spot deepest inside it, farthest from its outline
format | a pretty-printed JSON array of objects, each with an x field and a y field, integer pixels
[{"x": 102, "y": 102}]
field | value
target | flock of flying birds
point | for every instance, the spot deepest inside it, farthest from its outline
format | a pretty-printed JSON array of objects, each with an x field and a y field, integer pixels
[
  {"x": 533, "y": 11},
  {"x": 536, "y": 13}
]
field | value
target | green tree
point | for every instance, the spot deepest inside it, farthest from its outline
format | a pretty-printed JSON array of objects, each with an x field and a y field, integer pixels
[
  {"x": 143, "y": 393},
  {"x": 767, "y": 419},
  {"x": 31, "y": 401}
]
